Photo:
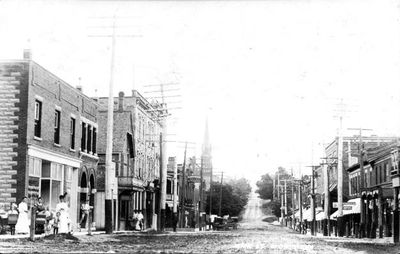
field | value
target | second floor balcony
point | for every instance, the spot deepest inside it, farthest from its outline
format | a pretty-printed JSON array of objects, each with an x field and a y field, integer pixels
[{"x": 130, "y": 182}]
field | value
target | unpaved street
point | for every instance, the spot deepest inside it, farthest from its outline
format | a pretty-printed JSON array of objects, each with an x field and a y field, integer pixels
[{"x": 253, "y": 236}]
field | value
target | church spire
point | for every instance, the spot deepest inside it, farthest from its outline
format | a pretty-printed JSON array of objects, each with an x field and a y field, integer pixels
[{"x": 206, "y": 140}]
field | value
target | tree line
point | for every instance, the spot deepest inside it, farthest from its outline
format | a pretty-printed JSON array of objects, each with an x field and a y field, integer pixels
[{"x": 235, "y": 195}]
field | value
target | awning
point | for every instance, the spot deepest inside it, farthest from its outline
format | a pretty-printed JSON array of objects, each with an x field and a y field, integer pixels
[
  {"x": 307, "y": 215},
  {"x": 350, "y": 207},
  {"x": 320, "y": 216}
]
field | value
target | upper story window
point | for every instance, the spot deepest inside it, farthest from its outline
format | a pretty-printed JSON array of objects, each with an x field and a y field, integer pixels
[
  {"x": 94, "y": 147},
  {"x": 57, "y": 117},
  {"x": 38, "y": 119},
  {"x": 89, "y": 137},
  {"x": 83, "y": 138},
  {"x": 72, "y": 133}
]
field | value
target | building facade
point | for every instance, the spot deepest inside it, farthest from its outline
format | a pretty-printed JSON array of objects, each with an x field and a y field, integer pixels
[
  {"x": 377, "y": 193},
  {"x": 48, "y": 131},
  {"x": 350, "y": 155},
  {"x": 136, "y": 154}
]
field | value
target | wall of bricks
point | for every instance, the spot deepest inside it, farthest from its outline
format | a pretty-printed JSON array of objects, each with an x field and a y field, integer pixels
[
  {"x": 13, "y": 91},
  {"x": 20, "y": 82}
]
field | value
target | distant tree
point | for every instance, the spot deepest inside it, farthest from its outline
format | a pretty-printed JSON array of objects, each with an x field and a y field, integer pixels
[
  {"x": 265, "y": 187},
  {"x": 235, "y": 195}
]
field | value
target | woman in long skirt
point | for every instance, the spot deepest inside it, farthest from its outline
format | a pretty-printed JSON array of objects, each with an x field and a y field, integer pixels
[
  {"x": 63, "y": 219},
  {"x": 22, "y": 226}
]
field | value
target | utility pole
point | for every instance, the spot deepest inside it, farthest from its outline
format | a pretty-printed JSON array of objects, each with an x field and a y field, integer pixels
[
  {"x": 273, "y": 187},
  {"x": 279, "y": 185},
  {"x": 340, "y": 178},
  {"x": 313, "y": 226},
  {"x": 163, "y": 177},
  {"x": 110, "y": 170},
  {"x": 312, "y": 195},
  {"x": 286, "y": 204},
  {"x": 326, "y": 200},
  {"x": 293, "y": 203},
  {"x": 362, "y": 179},
  {"x": 301, "y": 203},
  {"x": 175, "y": 208},
  {"x": 201, "y": 193},
  {"x": 220, "y": 196},
  {"x": 183, "y": 191},
  {"x": 211, "y": 179}
]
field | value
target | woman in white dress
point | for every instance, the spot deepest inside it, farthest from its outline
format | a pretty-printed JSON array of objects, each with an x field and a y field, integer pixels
[
  {"x": 63, "y": 219},
  {"x": 22, "y": 226}
]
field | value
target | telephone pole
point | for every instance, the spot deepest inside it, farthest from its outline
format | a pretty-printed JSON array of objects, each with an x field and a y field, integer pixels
[
  {"x": 220, "y": 196},
  {"x": 110, "y": 169},
  {"x": 201, "y": 205},
  {"x": 312, "y": 195},
  {"x": 340, "y": 178},
  {"x": 362, "y": 179},
  {"x": 183, "y": 191},
  {"x": 110, "y": 187}
]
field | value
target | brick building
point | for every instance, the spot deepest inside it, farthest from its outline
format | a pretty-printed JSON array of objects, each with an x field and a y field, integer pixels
[
  {"x": 48, "y": 135},
  {"x": 350, "y": 157},
  {"x": 378, "y": 191},
  {"x": 136, "y": 154}
]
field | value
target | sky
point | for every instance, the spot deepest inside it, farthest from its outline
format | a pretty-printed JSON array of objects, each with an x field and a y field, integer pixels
[{"x": 270, "y": 75}]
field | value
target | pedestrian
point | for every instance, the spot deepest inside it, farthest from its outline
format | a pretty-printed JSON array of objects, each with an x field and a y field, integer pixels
[
  {"x": 63, "y": 218},
  {"x": 85, "y": 209},
  {"x": 22, "y": 226},
  {"x": 12, "y": 218},
  {"x": 49, "y": 221},
  {"x": 135, "y": 220},
  {"x": 140, "y": 220},
  {"x": 39, "y": 205}
]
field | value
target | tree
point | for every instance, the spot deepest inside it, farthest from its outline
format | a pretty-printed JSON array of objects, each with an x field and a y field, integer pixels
[
  {"x": 265, "y": 187},
  {"x": 235, "y": 195}
]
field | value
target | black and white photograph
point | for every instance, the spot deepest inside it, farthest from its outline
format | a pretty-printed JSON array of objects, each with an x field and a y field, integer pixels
[{"x": 200, "y": 126}]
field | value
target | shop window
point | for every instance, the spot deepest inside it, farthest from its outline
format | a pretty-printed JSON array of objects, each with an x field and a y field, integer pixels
[
  {"x": 35, "y": 166},
  {"x": 51, "y": 183}
]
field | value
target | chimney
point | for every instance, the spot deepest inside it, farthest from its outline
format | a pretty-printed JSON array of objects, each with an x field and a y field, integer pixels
[
  {"x": 121, "y": 101},
  {"x": 79, "y": 88},
  {"x": 27, "y": 54}
]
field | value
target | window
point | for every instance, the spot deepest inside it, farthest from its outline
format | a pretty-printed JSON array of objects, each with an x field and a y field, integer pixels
[
  {"x": 94, "y": 140},
  {"x": 57, "y": 117},
  {"x": 83, "y": 139},
  {"x": 72, "y": 133},
  {"x": 52, "y": 184},
  {"x": 38, "y": 119},
  {"x": 387, "y": 170},
  {"x": 89, "y": 139},
  {"x": 35, "y": 166},
  {"x": 131, "y": 148}
]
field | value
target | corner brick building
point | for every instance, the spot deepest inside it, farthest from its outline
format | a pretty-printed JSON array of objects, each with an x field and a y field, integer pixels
[{"x": 48, "y": 133}]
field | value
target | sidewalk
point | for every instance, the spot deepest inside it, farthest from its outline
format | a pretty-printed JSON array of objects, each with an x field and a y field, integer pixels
[
  {"x": 375, "y": 241},
  {"x": 22, "y": 236},
  {"x": 385, "y": 241}
]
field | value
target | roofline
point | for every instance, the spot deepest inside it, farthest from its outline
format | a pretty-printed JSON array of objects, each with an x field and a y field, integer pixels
[{"x": 29, "y": 61}]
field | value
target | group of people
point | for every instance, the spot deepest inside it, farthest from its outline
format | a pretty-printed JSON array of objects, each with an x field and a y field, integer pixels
[
  {"x": 138, "y": 222},
  {"x": 58, "y": 223}
]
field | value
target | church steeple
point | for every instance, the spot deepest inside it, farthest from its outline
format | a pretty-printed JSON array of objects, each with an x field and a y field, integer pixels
[
  {"x": 206, "y": 141},
  {"x": 206, "y": 157}
]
